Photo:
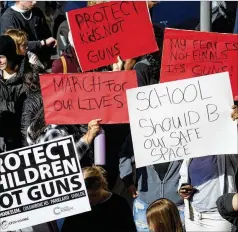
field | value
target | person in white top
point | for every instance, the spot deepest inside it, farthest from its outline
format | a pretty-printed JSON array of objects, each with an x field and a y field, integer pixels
[{"x": 203, "y": 180}]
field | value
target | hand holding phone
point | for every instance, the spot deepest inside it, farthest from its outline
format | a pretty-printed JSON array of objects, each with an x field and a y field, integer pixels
[{"x": 186, "y": 191}]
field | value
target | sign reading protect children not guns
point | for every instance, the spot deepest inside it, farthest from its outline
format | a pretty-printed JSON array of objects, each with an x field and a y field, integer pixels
[{"x": 41, "y": 183}]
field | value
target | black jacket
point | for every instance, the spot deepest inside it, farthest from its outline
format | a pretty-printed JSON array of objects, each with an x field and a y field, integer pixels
[
  {"x": 224, "y": 205},
  {"x": 31, "y": 107},
  {"x": 12, "y": 96},
  {"x": 36, "y": 29}
]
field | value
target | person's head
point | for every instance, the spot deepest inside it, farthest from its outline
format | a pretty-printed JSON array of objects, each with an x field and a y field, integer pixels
[
  {"x": 20, "y": 38},
  {"x": 95, "y": 182},
  {"x": 151, "y": 4},
  {"x": 8, "y": 55},
  {"x": 92, "y": 3},
  {"x": 31, "y": 77},
  {"x": 163, "y": 216},
  {"x": 25, "y": 5}
]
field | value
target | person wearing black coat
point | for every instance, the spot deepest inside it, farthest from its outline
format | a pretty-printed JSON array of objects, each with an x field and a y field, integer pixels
[
  {"x": 227, "y": 205},
  {"x": 12, "y": 94}
]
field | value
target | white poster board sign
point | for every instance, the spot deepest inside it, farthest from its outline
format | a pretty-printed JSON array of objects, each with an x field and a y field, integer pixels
[
  {"x": 41, "y": 183},
  {"x": 185, "y": 118}
]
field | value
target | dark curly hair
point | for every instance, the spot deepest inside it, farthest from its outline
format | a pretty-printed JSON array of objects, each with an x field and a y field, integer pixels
[{"x": 155, "y": 57}]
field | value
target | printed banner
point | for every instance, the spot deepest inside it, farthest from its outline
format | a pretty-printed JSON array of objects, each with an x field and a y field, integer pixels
[
  {"x": 182, "y": 119},
  {"x": 192, "y": 53},
  {"x": 104, "y": 31},
  {"x": 41, "y": 183},
  {"x": 80, "y": 98}
]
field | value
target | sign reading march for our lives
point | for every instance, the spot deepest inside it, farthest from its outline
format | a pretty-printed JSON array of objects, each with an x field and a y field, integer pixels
[
  {"x": 107, "y": 30},
  {"x": 182, "y": 119},
  {"x": 80, "y": 98},
  {"x": 193, "y": 53},
  {"x": 41, "y": 183}
]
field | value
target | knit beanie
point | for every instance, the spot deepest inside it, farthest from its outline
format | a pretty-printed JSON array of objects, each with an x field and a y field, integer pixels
[{"x": 8, "y": 48}]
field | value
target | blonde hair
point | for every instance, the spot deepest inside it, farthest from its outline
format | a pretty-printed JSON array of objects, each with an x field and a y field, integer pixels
[
  {"x": 95, "y": 178},
  {"x": 163, "y": 216},
  {"x": 18, "y": 36},
  {"x": 92, "y": 3}
]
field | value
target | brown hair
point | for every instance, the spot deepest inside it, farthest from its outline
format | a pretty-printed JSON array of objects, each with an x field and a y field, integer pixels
[
  {"x": 92, "y": 3},
  {"x": 163, "y": 216},
  {"x": 95, "y": 178},
  {"x": 18, "y": 36}
]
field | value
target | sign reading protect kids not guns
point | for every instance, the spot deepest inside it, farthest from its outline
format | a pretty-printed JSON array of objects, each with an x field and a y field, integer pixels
[
  {"x": 79, "y": 98},
  {"x": 192, "y": 53},
  {"x": 41, "y": 183},
  {"x": 104, "y": 31},
  {"x": 182, "y": 119}
]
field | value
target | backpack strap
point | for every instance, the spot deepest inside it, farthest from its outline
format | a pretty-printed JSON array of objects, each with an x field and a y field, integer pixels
[{"x": 65, "y": 70}]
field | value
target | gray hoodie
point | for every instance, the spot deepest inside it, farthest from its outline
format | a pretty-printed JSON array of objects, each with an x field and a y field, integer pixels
[{"x": 150, "y": 186}]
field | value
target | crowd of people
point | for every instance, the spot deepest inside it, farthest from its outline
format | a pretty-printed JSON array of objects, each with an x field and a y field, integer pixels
[{"x": 198, "y": 194}]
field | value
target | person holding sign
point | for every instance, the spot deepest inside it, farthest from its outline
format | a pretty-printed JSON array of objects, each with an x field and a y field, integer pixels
[
  {"x": 203, "y": 181},
  {"x": 152, "y": 182},
  {"x": 38, "y": 132},
  {"x": 110, "y": 212}
]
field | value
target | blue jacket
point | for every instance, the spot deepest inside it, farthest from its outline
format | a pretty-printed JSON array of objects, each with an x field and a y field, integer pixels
[{"x": 150, "y": 186}]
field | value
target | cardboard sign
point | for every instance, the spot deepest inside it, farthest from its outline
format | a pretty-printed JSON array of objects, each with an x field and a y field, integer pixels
[
  {"x": 41, "y": 183},
  {"x": 182, "y": 119},
  {"x": 193, "y": 53},
  {"x": 80, "y": 98},
  {"x": 104, "y": 31}
]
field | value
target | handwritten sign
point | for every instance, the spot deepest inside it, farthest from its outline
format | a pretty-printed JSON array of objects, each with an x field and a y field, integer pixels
[
  {"x": 192, "y": 53},
  {"x": 41, "y": 183},
  {"x": 186, "y": 118},
  {"x": 79, "y": 98},
  {"x": 104, "y": 31}
]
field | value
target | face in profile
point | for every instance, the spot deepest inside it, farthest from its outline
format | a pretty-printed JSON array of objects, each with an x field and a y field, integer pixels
[
  {"x": 3, "y": 62},
  {"x": 22, "y": 50}
]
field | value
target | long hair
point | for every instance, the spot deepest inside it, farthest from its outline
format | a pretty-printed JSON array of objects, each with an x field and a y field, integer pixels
[
  {"x": 163, "y": 216},
  {"x": 18, "y": 36}
]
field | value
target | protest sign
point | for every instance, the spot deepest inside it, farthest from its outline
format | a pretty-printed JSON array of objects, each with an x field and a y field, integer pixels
[
  {"x": 104, "y": 31},
  {"x": 192, "y": 53},
  {"x": 41, "y": 183},
  {"x": 182, "y": 119},
  {"x": 80, "y": 98}
]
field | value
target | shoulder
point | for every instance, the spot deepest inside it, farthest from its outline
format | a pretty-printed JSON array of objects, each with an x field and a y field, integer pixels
[
  {"x": 52, "y": 132},
  {"x": 118, "y": 199},
  {"x": 9, "y": 13},
  {"x": 57, "y": 66}
]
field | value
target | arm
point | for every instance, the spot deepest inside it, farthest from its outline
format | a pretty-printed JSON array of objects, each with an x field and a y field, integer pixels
[
  {"x": 227, "y": 206},
  {"x": 183, "y": 173}
]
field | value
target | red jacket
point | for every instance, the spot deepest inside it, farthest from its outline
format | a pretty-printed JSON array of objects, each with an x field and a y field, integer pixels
[{"x": 71, "y": 63}]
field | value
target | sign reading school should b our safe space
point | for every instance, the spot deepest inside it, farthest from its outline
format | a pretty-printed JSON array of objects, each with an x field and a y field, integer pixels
[
  {"x": 182, "y": 119},
  {"x": 41, "y": 183},
  {"x": 104, "y": 31},
  {"x": 194, "y": 53}
]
